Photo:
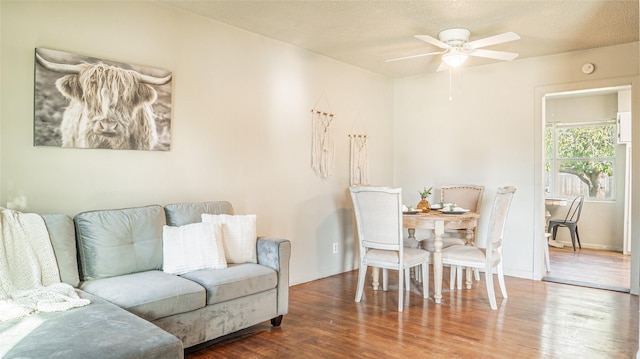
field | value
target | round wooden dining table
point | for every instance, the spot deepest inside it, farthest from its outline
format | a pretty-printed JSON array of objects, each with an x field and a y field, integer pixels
[{"x": 439, "y": 222}]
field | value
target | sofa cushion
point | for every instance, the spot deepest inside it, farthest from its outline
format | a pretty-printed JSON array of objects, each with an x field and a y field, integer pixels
[
  {"x": 179, "y": 214},
  {"x": 150, "y": 295},
  {"x": 63, "y": 240},
  {"x": 192, "y": 247},
  {"x": 236, "y": 281},
  {"x": 98, "y": 330},
  {"x": 238, "y": 235},
  {"x": 120, "y": 241}
]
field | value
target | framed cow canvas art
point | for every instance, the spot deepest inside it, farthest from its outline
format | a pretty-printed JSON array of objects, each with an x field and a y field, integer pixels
[{"x": 84, "y": 102}]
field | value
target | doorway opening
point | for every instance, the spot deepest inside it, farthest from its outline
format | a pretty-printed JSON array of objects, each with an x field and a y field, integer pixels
[{"x": 587, "y": 145}]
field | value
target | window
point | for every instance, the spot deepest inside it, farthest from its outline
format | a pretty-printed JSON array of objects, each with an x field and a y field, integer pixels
[{"x": 580, "y": 159}]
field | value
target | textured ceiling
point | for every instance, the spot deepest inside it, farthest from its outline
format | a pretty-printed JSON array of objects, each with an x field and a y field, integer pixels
[{"x": 366, "y": 33}]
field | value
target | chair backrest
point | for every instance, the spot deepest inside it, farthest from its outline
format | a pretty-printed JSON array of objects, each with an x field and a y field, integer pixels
[
  {"x": 378, "y": 212},
  {"x": 497, "y": 221},
  {"x": 573, "y": 214},
  {"x": 465, "y": 196}
]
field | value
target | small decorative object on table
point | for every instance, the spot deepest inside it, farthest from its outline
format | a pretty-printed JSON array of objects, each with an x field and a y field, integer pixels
[
  {"x": 424, "y": 205},
  {"x": 409, "y": 210}
]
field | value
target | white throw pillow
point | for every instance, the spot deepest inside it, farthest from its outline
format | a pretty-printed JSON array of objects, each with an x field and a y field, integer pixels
[
  {"x": 238, "y": 236},
  {"x": 192, "y": 247}
]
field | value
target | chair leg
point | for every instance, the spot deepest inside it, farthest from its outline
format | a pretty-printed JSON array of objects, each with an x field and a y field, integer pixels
[
  {"x": 400, "y": 289},
  {"x": 385, "y": 279},
  {"x": 476, "y": 274},
  {"x": 578, "y": 237},
  {"x": 459, "y": 277},
  {"x": 361, "y": 275},
  {"x": 425, "y": 280},
  {"x": 488, "y": 275},
  {"x": 417, "y": 274},
  {"x": 573, "y": 237},
  {"x": 503, "y": 288},
  {"x": 407, "y": 279},
  {"x": 547, "y": 261},
  {"x": 452, "y": 277}
]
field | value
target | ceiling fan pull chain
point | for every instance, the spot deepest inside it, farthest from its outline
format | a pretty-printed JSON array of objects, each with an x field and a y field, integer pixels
[
  {"x": 459, "y": 81},
  {"x": 450, "y": 81}
]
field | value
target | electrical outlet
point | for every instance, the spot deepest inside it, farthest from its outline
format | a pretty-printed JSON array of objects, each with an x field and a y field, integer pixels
[{"x": 335, "y": 248}]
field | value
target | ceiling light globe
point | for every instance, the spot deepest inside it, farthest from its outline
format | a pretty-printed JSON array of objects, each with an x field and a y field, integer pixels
[{"x": 454, "y": 59}]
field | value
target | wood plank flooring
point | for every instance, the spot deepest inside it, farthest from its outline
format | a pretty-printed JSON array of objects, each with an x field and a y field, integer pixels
[
  {"x": 590, "y": 267},
  {"x": 538, "y": 320}
]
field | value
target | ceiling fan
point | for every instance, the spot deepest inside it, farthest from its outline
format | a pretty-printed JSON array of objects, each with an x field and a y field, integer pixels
[{"x": 457, "y": 48}]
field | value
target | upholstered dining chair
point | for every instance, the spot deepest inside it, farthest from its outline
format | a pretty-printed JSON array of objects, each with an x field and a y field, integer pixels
[
  {"x": 570, "y": 221},
  {"x": 378, "y": 212},
  {"x": 466, "y": 196},
  {"x": 459, "y": 256}
]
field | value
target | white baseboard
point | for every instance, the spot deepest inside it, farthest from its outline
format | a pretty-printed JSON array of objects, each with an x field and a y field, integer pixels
[{"x": 601, "y": 247}]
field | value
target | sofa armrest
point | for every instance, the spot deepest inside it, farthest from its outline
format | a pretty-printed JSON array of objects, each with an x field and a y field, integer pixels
[{"x": 275, "y": 253}]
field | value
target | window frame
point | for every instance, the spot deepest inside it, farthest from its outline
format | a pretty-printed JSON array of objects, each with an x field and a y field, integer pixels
[{"x": 552, "y": 181}]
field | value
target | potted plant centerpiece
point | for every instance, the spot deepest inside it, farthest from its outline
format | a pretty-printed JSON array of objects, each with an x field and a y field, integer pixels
[{"x": 424, "y": 204}]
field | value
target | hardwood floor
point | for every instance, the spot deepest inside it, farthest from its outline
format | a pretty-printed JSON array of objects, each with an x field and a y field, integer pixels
[
  {"x": 589, "y": 267},
  {"x": 538, "y": 320}
]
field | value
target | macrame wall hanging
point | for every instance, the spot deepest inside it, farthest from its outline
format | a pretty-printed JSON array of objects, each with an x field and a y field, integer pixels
[
  {"x": 322, "y": 148},
  {"x": 359, "y": 160}
]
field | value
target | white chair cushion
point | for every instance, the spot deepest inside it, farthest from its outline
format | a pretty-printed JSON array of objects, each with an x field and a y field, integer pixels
[
  {"x": 411, "y": 256},
  {"x": 379, "y": 255},
  {"x": 429, "y": 243},
  {"x": 238, "y": 236},
  {"x": 192, "y": 247},
  {"x": 467, "y": 256}
]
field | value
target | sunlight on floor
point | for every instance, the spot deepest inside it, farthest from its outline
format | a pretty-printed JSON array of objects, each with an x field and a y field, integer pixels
[{"x": 589, "y": 267}]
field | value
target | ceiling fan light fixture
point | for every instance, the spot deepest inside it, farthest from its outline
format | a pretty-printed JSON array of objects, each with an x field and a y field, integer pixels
[{"x": 454, "y": 59}]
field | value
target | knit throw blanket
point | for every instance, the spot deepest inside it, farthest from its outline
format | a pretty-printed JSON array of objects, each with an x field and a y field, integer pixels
[{"x": 29, "y": 278}]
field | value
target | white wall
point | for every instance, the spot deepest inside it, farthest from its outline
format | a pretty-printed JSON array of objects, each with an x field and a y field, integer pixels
[
  {"x": 241, "y": 124},
  {"x": 241, "y": 127},
  {"x": 490, "y": 133}
]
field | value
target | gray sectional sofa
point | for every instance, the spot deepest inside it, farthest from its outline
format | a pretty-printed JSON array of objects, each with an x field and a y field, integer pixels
[{"x": 114, "y": 258}]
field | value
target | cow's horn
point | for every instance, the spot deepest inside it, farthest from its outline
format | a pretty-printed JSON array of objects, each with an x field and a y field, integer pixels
[
  {"x": 152, "y": 80},
  {"x": 64, "y": 68}
]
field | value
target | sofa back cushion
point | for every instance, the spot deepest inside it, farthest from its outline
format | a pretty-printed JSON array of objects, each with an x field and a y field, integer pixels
[
  {"x": 120, "y": 241},
  {"x": 63, "y": 241},
  {"x": 179, "y": 214}
]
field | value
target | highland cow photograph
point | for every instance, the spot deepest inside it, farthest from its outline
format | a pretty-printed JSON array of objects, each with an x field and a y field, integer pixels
[{"x": 85, "y": 102}]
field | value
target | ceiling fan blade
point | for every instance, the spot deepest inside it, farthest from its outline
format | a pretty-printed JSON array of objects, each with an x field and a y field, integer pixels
[
  {"x": 492, "y": 40},
  {"x": 432, "y": 41},
  {"x": 442, "y": 67},
  {"x": 414, "y": 56},
  {"x": 491, "y": 54}
]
